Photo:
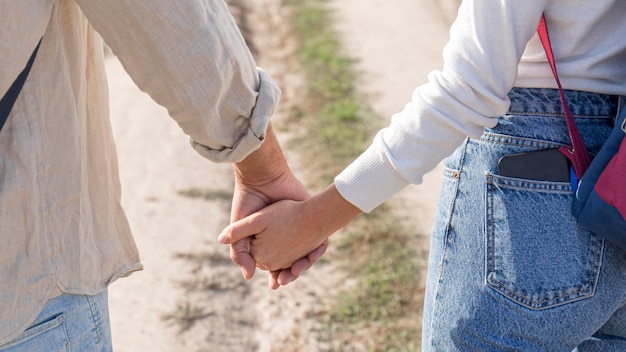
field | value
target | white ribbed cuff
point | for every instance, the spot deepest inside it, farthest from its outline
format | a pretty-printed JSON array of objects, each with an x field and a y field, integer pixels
[{"x": 369, "y": 181}]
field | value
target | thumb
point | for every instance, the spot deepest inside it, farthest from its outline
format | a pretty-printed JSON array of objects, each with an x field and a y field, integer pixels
[{"x": 241, "y": 229}]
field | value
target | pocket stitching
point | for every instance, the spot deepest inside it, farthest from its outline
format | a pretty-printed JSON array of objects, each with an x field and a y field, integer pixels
[
  {"x": 39, "y": 329},
  {"x": 585, "y": 289}
]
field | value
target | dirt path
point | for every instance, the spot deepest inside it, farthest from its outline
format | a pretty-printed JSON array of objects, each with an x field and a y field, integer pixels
[
  {"x": 156, "y": 163},
  {"x": 397, "y": 43},
  {"x": 190, "y": 297}
]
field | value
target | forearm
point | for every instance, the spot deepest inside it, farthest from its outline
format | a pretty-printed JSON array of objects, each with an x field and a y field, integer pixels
[
  {"x": 331, "y": 211},
  {"x": 191, "y": 58}
]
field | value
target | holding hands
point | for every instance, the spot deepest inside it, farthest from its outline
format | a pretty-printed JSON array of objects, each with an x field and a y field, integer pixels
[
  {"x": 275, "y": 225},
  {"x": 288, "y": 236}
]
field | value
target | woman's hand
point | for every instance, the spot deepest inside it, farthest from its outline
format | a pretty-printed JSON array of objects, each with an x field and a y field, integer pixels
[
  {"x": 260, "y": 180},
  {"x": 289, "y": 230}
]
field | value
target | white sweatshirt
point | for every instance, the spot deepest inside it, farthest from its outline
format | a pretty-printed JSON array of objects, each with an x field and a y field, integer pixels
[{"x": 493, "y": 47}]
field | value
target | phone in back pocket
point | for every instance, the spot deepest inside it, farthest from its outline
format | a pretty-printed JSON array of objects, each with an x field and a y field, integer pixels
[{"x": 540, "y": 165}]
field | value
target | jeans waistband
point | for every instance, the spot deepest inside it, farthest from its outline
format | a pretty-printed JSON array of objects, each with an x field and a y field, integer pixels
[{"x": 548, "y": 101}]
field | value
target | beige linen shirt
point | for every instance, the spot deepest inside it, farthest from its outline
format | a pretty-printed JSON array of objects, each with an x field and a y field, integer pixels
[{"x": 62, "y": 228}]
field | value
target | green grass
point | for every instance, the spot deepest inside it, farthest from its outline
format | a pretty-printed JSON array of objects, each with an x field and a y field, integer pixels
[
  {"x": 206, "y": 194},
  {"x": 338, "y": 124},
  {"x": 384, "y": 307},
  {"x": 382, "y": 311},
  {"x": 185, "y": 316}
]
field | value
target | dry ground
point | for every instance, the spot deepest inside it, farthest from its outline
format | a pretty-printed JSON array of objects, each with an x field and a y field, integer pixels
[{"x": 190, "y": 297}]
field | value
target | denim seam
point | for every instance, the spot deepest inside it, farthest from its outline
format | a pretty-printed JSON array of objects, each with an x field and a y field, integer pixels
[
  {"x": 551, "y": 187},
  {"x": 518, "y": 141},
  {"x": 547, "y": 303},
  {"x": 448, "y": 223},
  {"x": 456, "y": 174},
  {"x": 560, "y": 115},
  {"x": 95, "y": 315},
  {"x": 68, "y": 343},
  {"x": 621, "y": 104}
]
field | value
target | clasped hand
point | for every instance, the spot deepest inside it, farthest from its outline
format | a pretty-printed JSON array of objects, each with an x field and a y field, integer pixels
[
  {"x": 289, "y": 236},
  {"x": 267, "y": 236},
  {"x": 275, "y": 225}
]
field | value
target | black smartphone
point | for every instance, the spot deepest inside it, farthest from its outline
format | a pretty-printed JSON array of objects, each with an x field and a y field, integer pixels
[{"x": 540, "y": 165}]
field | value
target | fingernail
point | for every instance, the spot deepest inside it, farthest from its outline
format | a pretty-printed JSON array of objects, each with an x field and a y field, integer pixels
[
  {"x": 221, "y": 238},
  {"x": 246, "y": 274}
]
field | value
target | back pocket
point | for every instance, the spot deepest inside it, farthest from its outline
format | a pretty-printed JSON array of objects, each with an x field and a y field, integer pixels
[
  {"x": 536, "y": 254},
  {"x": 49, "y": 336}
]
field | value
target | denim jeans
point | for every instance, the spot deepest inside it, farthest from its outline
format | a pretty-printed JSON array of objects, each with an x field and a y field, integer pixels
[
  {"x": 509, "y": 269},
  {"x": 68, "y": 322}
]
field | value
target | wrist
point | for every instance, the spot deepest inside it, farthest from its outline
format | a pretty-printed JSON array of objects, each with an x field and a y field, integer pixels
[
  {"x": 264, "y": 165},
  {"x": 336, "y": 211}
]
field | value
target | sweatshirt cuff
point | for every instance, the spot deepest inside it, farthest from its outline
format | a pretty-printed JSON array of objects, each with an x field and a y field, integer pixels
[
  {"x": 268, "y": 98},
  {"x": 369, "y": 181}
]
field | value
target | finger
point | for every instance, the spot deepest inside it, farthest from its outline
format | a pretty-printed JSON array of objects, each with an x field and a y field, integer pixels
[
  {"x": 318, "y": 252},
  {"x": 301, "y": 265},
  {"x": 285, "y": 277},
  {"x": 241, "y": 229},
  {"x": 240, "y": 254},
  {"x": 245, "y": 205},
  {"x": 305, "y": 263},
  {"x": 273, "y": 279}
]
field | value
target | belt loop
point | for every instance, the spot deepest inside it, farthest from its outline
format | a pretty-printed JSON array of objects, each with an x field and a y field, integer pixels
[{"x": 621, "y": 104}]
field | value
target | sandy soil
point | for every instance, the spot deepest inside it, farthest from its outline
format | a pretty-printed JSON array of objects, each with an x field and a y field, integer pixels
[
  {"x": 397, "y": 44},
  {"x": 190, "y": 297}
]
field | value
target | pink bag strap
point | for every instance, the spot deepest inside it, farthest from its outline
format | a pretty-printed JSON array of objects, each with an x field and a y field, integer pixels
[{"x": 578, "y": 154}]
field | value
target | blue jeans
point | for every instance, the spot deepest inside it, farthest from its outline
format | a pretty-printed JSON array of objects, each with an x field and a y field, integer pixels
[
  {"x": 509, "y": 269},
  {"x": 68, "y": 322}
]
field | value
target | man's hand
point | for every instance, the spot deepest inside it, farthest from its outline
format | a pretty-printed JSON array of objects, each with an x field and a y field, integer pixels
[{"x": 260, "y": 180}]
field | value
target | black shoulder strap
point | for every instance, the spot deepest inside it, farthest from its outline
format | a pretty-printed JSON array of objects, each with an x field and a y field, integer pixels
[{"x": 6, "y": 104}]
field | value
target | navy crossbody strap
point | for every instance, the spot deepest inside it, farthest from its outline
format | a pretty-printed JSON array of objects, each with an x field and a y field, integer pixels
[{"x": 8, "y": 100}]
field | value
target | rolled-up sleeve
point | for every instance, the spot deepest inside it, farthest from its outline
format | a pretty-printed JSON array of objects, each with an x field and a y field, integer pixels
[{"x": 191, "y": 58}]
